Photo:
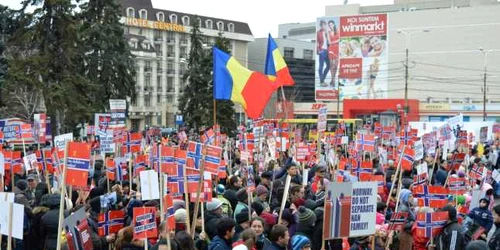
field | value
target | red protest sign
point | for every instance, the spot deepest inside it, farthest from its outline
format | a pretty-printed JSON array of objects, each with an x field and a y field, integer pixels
[
  {"x": 83, "y": 239},
  {"x": 78, "y": 163},
  {"x": 144, "y": 222}
]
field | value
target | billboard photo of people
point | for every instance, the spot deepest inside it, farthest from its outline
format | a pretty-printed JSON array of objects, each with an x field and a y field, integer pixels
[
  {"x": 327, "y": 58},
  {"x": 355, "y": 54}
]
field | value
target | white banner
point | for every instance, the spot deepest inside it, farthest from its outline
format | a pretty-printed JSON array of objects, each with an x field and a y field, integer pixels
[{"x": 61, "y": 140}]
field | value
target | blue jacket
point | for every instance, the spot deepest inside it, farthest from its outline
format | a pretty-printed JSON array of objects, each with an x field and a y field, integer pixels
[
  {"x": 219, "y": 243},
  {"x": 483, "y": 217}
]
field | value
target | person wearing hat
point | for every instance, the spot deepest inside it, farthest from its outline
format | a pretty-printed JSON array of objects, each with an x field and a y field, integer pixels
[
  {"x": 306, "y": 222},
  {"x": 453, "y": 235},
  {"x": 227, "y": 210},
  {"x": 180, "y": 217},
  {"x": 242, "y": 223},
  {"x": 32, "y": 183},
  {"x": 300, "y": 242},
  {"x": 481, "y": 216},
  {"x": 213, "y": 214},
  {"x": 242, "y": 196}
]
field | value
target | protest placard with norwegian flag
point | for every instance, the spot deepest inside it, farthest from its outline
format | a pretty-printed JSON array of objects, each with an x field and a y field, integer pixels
[
  {"x": 78, "y": 164},
  {"x": 144, "y": 222}
]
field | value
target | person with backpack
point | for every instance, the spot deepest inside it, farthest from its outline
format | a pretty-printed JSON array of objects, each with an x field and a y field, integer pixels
[{"x": 453, "y": 235}]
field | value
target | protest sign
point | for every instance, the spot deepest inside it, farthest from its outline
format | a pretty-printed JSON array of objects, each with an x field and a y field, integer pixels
[
  {"x": 16, "y": 215},
  {"x": 419, "y": 150},
  {"x": 322, "y": 113},
  {"x": 8, "y": 197},
  {"x": 149, "y": 185},
  {"x": 61, "y": 140},
  {"x": 302, "y": 153},
  {"x": 350, "y": 210},
  {"x": 118, "y": 108},
  {"x": 2, "y": 164},
  {"x": 144, "y": 222},
  {"x": 30, "y": 162},
  {"x": 455, "y": 121},
  {"x": 82, "y": 235}
]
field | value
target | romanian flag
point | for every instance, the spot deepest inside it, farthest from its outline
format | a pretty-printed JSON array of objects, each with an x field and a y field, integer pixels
[
  {"x": 234, "y": 82},
  {"x": 276, "y": 67}
]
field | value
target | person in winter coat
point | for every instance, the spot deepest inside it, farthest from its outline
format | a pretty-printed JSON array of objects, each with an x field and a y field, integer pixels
[
  {"x": 453, "y": 235},
  {"x": 481, "y": 215},
  {"x": 279, "y": 238},
  {"x": 405, "y": 205},
  {"x": 381, "y": 207},
  {"x": 306, "y": 222},
  {"x": 258, "y": 226},
  {"x": 213, "y": 214},
  {"x": 50, "y": 221},
  {"x": 494, "y": 243},
  {"x": 225, "y": 231}
]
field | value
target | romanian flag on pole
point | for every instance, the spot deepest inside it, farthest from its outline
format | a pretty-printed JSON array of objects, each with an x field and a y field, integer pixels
[
  {"x": 276, "y": 67},
  {"x": 234, "y": 82},
  {"x": 78, "y": 163}
]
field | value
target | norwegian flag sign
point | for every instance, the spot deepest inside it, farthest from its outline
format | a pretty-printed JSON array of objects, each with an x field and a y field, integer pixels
[
  {"x": 430, "y": 196},
  {"x": 430, "y": 224},
  {"x": 194, "y": 154},
  {"x": 398, "y": 221},
  {"x": 110, "y": 222},
  {"x": 212, "y": 159},
  {"x": 144, "y": 222}
]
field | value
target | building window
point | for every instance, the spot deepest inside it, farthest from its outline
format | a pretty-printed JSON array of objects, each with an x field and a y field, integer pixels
[
  {"x": 159, "y": 51},
  {"x": 170, "y": 36},
  {"x": 133, "y": 100},
  {"x": 199, "y": 22},
  {"x": 135, "y": 124},
  {"x": 183, "y": 53},
  {"x": 288, "y": 52},
  {"x": 130, "y": 12},
  {"x": 147, "y": 101},
  {"x": 220, "y": 25},
  {"x": 158, "y": 120},
  {"x": 147, "y": 66},
  {"x": 209, "y": 24},
  {"x": 173, "y": 18},
  {"x": 160, "y": 16},
  {"x": 158, "y": 35},
  {"x": 308, "y": 54},
  {"x": 185, "y": 20},
  {"x": 159, "y": 68},
  {"x": 170, "y": 84},
  {"x": 148, "y": 120},
  {"x": 158, "y": 98},
  {"x": 147, "y": 82},
  {"x": 230, "y": 27},
  {"x": 143, "y": 14},
  {"x": 170, "y": 98}
]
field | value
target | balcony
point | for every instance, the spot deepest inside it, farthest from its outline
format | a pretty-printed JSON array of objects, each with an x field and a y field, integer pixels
[
  {"x": 170, "y": 40},
  {"x": 147, "y": 70},
  {"x": 170, "y": 90},
  {"x": 170, "y": 55},
  {"x": 183, "y": 56},
  {"x": 183, "y": 42},
  {"x": 159, "y": 70},
  {"x": 159, "y": 89},
  {"x": 170, "y": 71},
  {"x": 158, "y": 39}
]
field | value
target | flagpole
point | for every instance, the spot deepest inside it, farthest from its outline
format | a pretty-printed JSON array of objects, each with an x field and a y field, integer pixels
[
  {"x": 215, "y": 112},
  {"x": 201, "y": 184},
  {"x": 389, "y": 242},
  {"x": 61, "y": 201},
  {"x": 160, "y": 174},
  {"x": 186, "y": 198}
]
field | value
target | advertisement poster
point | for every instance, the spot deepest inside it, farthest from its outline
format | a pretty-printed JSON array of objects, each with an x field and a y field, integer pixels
[
  {"x": 350, "y": 210},
  {"x": 351, "y": 57}
]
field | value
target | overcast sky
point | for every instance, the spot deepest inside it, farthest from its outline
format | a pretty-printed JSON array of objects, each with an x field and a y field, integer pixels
[{"x": 263, "y": 16}]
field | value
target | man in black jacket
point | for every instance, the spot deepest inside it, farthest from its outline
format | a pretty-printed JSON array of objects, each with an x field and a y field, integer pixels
[{"x": 453, "y": 235}]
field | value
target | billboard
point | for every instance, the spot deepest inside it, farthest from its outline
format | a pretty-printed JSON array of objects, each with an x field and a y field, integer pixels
[{"x": 351, "y": 57}]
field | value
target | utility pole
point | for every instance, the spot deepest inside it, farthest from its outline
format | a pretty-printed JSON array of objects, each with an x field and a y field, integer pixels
[
  {"x": 485, "y": 63},
  {"x": 407, "y": 45}
]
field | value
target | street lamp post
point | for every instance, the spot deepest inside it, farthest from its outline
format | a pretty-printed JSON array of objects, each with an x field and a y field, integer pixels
[
  {"x": 407, "y": 45},
  {"x": 485, "y": 55}
]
